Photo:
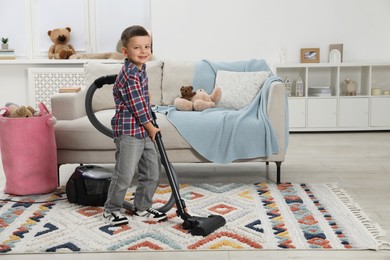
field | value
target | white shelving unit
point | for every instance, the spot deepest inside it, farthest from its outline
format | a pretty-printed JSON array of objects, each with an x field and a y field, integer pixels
[{"x": 339, "y": 112}]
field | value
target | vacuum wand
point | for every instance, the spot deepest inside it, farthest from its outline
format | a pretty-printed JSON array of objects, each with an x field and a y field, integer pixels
[{"x": 197, "y": 226}]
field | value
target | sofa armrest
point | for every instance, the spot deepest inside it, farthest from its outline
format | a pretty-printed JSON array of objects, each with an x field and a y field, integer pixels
[
  {"x": 277, "y": 112},
  {"x": 68, "y": 106}
]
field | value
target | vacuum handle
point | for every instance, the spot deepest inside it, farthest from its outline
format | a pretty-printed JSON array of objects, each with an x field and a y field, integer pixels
[
  {"x": 154, "y": 118},
  {"x": 105, "y": 80},
  {"x": 180, "y": 204}
]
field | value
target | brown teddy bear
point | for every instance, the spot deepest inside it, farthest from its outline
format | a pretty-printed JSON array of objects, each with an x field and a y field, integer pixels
[
  {"x": 60, "y": 49},
  {"x": 15, "y": 111},
  {"x": 187, "y": 92},
  {"x": 21, "y": 112},
  {"x": 199, "y": 101}
]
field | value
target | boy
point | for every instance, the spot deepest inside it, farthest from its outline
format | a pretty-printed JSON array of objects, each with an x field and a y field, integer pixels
[{"x": 134, "y": 133}]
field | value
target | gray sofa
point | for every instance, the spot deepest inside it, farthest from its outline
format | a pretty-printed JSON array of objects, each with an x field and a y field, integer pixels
[{"x": 79, "y": 142}]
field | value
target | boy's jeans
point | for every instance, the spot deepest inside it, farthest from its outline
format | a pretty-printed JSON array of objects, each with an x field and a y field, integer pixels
[{"x": 130, "y": 153}]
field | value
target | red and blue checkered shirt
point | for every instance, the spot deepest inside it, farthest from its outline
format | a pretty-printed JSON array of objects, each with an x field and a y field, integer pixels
[{"x": 131, "y": 96}]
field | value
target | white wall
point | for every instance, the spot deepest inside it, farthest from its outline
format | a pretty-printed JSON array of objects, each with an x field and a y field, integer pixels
[
  {"x": 212, "y": 29},
  {"x": 96, "y": 24},
  {"x": 238, "y": 30}
]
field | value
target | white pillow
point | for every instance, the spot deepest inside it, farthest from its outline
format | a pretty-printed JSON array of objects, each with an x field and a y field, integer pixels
[{"x": 239, "y": 88}]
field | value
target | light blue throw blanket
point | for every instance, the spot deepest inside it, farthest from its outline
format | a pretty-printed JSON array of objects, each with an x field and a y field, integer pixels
[{"x": 224, "y": 135}]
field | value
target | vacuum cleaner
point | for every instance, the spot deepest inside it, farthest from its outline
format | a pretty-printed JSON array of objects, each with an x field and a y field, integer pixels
[
  {"x": 88, "y": 185},
  {"x": 196, "y": 225}
]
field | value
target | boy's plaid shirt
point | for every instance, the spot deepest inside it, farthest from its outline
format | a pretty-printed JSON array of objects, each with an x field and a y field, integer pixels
[{"x": 131, "y": 96}]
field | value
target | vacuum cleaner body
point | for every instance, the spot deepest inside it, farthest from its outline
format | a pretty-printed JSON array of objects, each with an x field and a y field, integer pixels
[{"x": 88, "y": 185}]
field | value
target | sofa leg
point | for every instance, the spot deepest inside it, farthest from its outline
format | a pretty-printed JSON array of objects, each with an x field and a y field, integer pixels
[
  {"x": 58, "y": 175},
  {"x": 278, "y": 166}
]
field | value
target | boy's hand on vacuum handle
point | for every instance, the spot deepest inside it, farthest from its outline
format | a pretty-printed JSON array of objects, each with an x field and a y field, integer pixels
[{"x": 152, "y": 130}]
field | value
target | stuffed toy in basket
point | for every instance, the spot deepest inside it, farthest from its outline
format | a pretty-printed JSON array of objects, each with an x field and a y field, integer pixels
[{"x": 29, "y": 153}]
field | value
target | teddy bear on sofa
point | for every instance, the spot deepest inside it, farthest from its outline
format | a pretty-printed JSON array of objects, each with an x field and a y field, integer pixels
[
  {"x": 61, "y": 49},
  {"x": 197, "y": 101},
  {"x": 187, "y": 92}
]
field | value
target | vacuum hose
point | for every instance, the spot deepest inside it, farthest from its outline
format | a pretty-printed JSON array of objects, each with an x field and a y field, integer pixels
[{"x": 97, "y": 84}]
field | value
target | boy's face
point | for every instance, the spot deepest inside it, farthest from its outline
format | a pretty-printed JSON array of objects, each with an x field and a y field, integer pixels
[{"x": 138, "y": 50}]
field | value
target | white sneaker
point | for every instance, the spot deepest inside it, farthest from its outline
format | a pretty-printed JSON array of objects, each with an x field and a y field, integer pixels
[
  {"x": 115, "y": 218},
  {"x": 151, "y": 214}
]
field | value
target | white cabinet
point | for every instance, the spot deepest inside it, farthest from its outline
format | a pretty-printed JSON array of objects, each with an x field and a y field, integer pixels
[
  {"x": 380, "y": 112},
  {"x": 326, "y": 106},
  {"x": 297, "y": 112},
  {"x": 321, "y": 112},
  {"x": 353, "y": 112}
]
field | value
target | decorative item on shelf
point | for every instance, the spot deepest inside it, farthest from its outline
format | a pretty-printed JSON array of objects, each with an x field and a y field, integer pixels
[
  {"x": 320, "y": 91},
  {"x": 334, "y": 56},
  {"x": 386, "y": 92},
  {"x": 4, "y": 43},
  {"x": 7, "y": 54},
  {"x": 336, "y": 53},
  {"x": 350, "y": 86},
  {"x": 376, "y": 92},
  {"x": 288, "y": 84},
  {"x": 310, "y": 55},
  {"x": 299, "y": 87},
  {"x": 73, "y": 89}
]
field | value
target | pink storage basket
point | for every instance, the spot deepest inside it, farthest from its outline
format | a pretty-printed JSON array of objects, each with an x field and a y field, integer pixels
[{"x": 29, "y": 153}]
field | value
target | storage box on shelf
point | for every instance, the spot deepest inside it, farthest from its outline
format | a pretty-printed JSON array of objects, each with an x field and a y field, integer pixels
[{"x": 326, "y": 106}]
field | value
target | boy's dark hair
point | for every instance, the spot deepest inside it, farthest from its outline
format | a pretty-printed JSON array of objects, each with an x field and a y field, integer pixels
[{"x": 132, "y": 31}]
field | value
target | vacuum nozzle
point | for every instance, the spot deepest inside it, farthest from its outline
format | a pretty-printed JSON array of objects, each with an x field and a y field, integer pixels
[{"x": 203, "y": 226}]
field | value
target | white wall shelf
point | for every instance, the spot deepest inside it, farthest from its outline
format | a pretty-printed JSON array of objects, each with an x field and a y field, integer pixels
[
  {"x": 338, "y": 111},
  {"x": 44, "y": 62},
  {"x": 27, "y": 81}
]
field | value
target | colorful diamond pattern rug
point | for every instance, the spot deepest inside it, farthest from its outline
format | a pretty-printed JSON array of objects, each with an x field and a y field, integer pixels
[{"x": 259, "y": 216}]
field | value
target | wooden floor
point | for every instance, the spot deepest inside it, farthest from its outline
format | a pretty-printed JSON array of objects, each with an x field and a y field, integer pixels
[{"x": 358, "y": 162}]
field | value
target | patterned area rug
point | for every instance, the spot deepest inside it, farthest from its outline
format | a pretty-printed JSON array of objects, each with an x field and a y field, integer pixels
[{"x": 259, "y": 216}]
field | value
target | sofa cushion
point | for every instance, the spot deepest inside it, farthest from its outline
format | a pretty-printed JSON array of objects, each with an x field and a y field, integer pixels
[
  {"x": 80, "y": 134},
  {"x": 154, "y": 71},
  {"x": 176, "y": 74},
  {"x": 103, "y": 98},
  {"x": 239, "y": 88}
]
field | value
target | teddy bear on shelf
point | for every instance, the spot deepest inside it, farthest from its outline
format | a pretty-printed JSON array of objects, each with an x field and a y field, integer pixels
[
  {"x": 101, "y": 56},
  {"x": 61, "y": 49},
  {"x": 118, "y": 55},
  {"x": 197, "y": 101}
]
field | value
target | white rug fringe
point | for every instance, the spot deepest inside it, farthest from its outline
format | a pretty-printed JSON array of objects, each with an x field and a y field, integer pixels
[{"x": 373, "y": 228}]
